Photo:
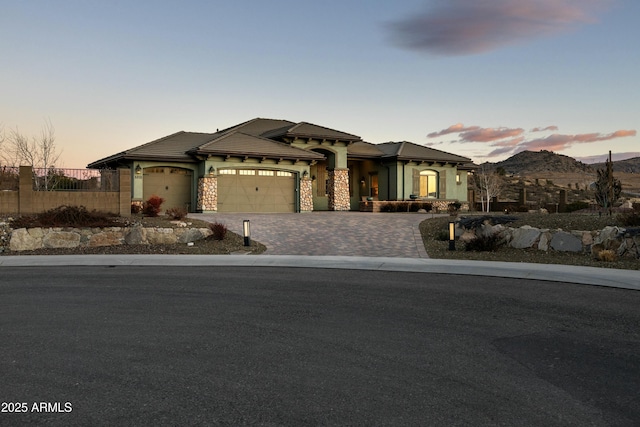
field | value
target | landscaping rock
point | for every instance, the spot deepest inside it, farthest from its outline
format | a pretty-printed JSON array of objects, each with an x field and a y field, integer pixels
[
  {"x": 565, "y": 242},
  {"x": 545, "y": 238},
  {"x": 25, "y": 240},
  {"x": 161, "y": 236},
  {"x": 107, "y": 238},
  {"x": 61, "y": 239},
  {"x": 524, "y": 237},
  {"x": 136, "y": 236}
]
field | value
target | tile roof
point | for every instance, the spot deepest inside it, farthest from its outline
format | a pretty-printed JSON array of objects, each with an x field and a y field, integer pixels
[
  {"x": 410, "y": 151},
  {"x": 173, "y": 147},
  {"x": 364, "y": 149},
  {"x": 242, "y": 144},
  {"x": 259, "y": 126},
  {"x": 309, "y": 130}
]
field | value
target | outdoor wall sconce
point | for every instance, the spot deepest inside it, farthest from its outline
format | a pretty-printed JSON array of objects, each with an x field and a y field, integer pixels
[
  {"x": 313, "y": 177},
  {"x": 212, "y": 170},
  {"x": 138, "y": 170},
  {"x": 246, "y": 232},
  {"x": 305, "y": 174},
  {"x": 362, "y": 181},
  {"x": 452, "y": 236}
]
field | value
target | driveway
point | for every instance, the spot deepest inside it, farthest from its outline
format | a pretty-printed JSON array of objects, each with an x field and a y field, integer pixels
[{"x": 332, "y": 233}]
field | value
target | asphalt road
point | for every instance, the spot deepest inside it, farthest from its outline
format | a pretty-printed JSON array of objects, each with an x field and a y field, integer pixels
[{"x": 287, "y": 346}]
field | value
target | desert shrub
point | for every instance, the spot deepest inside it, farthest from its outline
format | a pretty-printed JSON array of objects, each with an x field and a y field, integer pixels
[
  {"x": 576, "y": 206},
  {"x": 219, "y": 230},
  {"x": 152, "y": 206},
  {"x": 522, "y": 209},
  {"x": 442, "y": 235},
  {"x": 607, "y": 255},
  {"x": 426, "y": 206},
  {"x": 136, "y": 208},
  {"x": 176, "y": 213},
  {"x": 454, "y": 207},
  {"x": 629, "y": 219},
  {"x": 402, "y": 207},
  {"x": 65, "y": 216},
  {"x": 388, "y": 207},
  {"x": 483, "y": 243}
]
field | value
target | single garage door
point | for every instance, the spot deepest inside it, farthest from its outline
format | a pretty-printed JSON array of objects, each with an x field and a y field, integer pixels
[
  {"x": 172, "y": 184},
  {"x": 256, "y": 190}
]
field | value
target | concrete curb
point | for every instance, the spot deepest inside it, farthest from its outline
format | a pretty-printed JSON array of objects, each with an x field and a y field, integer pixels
[{"x": 615, "y": 278}]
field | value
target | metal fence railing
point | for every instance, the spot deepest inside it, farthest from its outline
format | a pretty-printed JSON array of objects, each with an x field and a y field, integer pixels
[
  {"x": 56, "y": 179},
  {"x": 9, "y": 178}
]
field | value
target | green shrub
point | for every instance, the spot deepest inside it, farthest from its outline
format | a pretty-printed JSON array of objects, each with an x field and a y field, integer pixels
[
  {"x": 388, "y": 207},
  {"x": 152, "y": 206},
  {"x": 577, "y": 206},
  {"x": 219, "y": 230},
  {"x": 402, "y": 207},
  {"x": 442, "y": 235},
  {"x": 481, "y": 243},
  {"x": 176, "y": 213},
  {"x": 629, "y": 219}
]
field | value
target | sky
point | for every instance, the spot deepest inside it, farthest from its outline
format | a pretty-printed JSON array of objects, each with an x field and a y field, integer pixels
[{"x": 483, "y": 79}]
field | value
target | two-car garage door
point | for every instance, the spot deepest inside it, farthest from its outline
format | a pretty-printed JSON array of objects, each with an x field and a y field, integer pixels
[{"x": 256, "y": 190}]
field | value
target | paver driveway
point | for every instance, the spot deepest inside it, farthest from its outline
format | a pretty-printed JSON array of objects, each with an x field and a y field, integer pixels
[{"x": 332, "y": 233}]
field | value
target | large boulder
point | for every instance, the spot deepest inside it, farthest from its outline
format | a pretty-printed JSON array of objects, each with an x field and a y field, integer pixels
[
  {"x": 136, "y": 236},
  {"x": 24, "y": 239},
  {"x": 161, "y": 236},
  {"x": 565, "y": 242},
  {"x": 107, "y": 238},
  {"x": 61, "y": 239},
  {"x": 524, "y": 237}
]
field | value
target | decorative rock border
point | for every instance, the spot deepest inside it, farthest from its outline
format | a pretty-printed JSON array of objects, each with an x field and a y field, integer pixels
[
  {"x": 25, "y": 239},
  {"x": 623, "y": 241}
]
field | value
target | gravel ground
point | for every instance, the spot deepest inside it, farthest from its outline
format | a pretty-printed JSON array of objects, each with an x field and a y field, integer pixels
[{"x": 439, "y": 249}]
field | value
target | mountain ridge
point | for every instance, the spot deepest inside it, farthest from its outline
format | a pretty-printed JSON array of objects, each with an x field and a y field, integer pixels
[{"x": 534, "y": 162}]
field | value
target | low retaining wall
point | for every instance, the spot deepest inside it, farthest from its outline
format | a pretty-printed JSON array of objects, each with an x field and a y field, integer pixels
[
  {"x": 625, "y": 242},
  {"x": 24, "y": 239}
]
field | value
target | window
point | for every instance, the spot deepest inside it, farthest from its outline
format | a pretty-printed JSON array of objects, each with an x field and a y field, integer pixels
[
  {"x": 226, "y": 172},
  {"x": 429, "y": 184},
  {"x": 266, "y": 173},
  {"x": 246, "y": 172},
  {"x": 283, "y": 173},
  {"x": 373, "y": 185}
]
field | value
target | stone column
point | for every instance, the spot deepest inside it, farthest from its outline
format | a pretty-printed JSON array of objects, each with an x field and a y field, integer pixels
[
  {"x": 207, "y": 194},
  {"x": 306, "y": 194},
  {"x": 339, "y": 198}
]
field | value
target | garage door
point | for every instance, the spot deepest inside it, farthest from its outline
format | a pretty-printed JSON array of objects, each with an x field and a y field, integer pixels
[
  {"x": 172, "y": 184},
  {"x": 255, "y": 190}
]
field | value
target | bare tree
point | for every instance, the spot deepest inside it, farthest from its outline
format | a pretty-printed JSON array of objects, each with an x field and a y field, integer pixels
[
  {"x": 38, "y": 152},
  {"x": 488, "y": 184}
]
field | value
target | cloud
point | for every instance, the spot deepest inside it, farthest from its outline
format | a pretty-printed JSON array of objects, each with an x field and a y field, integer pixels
[
  {"x": 513, "y": 140},
  {"x": 548, "y": 128},
  {"x": 462, "y": 27},
  {"x": 457, "y": 128},
  {"x": 558, "y": 142},
  {"x": 490, "y": 134}
]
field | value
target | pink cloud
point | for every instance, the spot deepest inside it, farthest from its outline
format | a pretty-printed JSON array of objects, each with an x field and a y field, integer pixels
[
  {"x": 513, "y": 140},
  {"x": 460, "y": 27},
  {"x": 457, "y": 128},
  {"x": 490, "y": 134},
  {"x": 557, "y": 142},
  {"x": 548, "y": 128}
]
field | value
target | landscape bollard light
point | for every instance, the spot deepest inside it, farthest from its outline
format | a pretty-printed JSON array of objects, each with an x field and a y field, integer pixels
[
  {"x": 246, "y": 232},
  {"x": 452, "y": 236}
]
